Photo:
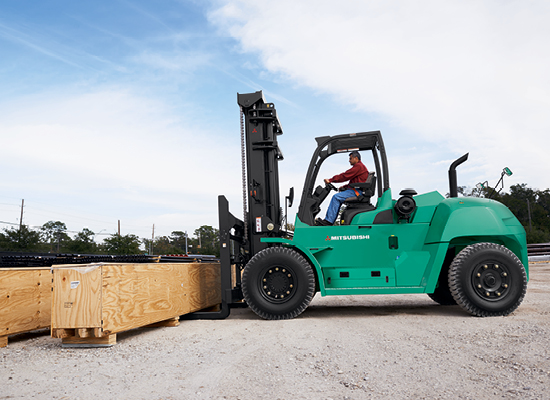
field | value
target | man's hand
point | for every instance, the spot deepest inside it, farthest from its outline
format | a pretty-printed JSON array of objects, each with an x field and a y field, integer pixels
[{"x": 327, "y": 181}]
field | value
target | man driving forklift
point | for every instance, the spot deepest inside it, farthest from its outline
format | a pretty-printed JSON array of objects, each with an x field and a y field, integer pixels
[{"x": 356, "y": 174}]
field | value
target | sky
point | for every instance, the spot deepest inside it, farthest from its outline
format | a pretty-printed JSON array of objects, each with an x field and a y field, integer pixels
[{"x": 127, "y": 110}]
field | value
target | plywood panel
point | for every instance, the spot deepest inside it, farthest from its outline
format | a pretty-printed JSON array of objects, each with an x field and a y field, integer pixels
[
  {"x": 25, "y": 300},
  {"x": 141, "y": 294},
  {"x": 76, "y": 296},
  {"x": 90, "y": 302},
  {"x": 204, "y": 286}
]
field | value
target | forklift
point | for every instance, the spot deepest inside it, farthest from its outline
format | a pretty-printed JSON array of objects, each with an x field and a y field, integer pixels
[{"x": 464, "y": 251}]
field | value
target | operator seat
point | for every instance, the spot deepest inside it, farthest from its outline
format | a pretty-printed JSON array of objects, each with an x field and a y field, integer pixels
[{"x": 358, "y": 204}]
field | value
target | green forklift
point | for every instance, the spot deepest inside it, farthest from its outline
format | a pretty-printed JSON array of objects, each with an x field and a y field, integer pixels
[{"x": 458, "y": 250}]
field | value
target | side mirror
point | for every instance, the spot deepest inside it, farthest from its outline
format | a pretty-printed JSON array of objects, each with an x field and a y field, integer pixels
[
  {"x": 505, "y": 171},
  {"x": 290, "y": 197}
]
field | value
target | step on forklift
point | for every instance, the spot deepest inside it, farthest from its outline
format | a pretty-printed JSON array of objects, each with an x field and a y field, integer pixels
[{"x": 458, "y": 250}]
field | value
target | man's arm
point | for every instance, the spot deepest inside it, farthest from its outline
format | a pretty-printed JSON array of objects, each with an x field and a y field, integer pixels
[{"x": 345, "y": 176}]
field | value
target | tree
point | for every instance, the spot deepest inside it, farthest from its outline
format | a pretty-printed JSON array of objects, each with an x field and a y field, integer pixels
[
  {"x": 177, "y": 238},
  {"x": 482, "y": 191},
  {"x": 54, "y": 233},
  {"x": 24, "y": 239},
  {"x": 122, "y": 245},
  {"x": 162, "y": 245},
  {"x": 532, "y": 208},
  {"x": 208, "y": 240},
  {"x": 83, "y": 242}
]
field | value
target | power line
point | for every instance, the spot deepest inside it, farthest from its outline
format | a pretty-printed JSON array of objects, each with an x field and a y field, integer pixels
[
  {"x": 39, "y": 227},
  {"x": 9, "y": 223}
]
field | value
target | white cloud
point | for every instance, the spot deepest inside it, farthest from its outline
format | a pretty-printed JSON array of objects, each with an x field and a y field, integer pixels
[
  {"x": 464, "y": 75},
  {"x": 116, "y": 154}
]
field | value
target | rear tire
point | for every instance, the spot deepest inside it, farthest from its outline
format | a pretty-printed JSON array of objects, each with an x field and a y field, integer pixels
[
  {"x": 442, "y": 294},
  {"x": 487, "y": 279},
  {"x": 278, "y": 283}
]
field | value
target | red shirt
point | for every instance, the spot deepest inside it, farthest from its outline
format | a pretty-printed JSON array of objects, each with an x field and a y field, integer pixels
[{"x": 357, "y": 173}]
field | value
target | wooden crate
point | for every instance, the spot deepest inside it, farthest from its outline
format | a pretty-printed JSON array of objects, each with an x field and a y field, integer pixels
[
  {"x": 93, "y": 302},
  {"x": 25, "y": 300}
]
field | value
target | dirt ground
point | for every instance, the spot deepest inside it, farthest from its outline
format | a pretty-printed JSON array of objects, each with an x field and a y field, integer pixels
[{"x": 360, "y": 347}]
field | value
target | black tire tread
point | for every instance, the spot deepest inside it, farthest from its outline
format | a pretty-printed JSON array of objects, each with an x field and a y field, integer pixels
[
  {"x": 442, "y": 293},
  {"x": 458, "y": 292},
  {"x": 263, "y": 256}
]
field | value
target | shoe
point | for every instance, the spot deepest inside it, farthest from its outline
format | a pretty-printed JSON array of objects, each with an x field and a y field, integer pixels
[{"x": 322, "y": 222}]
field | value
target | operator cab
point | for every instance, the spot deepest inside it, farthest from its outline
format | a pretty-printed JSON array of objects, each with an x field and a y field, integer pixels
[{"x": 310, "y": 204}]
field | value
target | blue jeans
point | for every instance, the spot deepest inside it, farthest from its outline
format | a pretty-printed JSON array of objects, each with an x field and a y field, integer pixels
[{"x": 336, "y": 202}]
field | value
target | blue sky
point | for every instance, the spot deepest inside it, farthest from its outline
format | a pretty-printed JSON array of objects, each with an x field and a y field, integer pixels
[{"x": 126, "y": 110}]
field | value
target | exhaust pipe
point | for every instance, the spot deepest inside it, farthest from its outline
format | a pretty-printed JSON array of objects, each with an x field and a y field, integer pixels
[{"x": 453, "y": 188}]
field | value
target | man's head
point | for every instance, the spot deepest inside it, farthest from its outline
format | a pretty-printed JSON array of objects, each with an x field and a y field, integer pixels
[{"x": 354, "y": 157}]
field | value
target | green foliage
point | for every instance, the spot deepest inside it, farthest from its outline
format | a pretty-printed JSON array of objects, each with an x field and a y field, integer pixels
[
  {"x": 24, "y": 239},
  {"x": 52, "y": 237},
  {"x": 122, "y": 245},
  {"x": 538, "y": 236},
  {"x": 162, "y": 245},
  {"x": 532, "y": 209},
  {"x": 177, "y": 239},
  {"x": 83, "y": 243},
  {"x": 208, "y": 241},
  {"x": 205, "y": 241},
  {"x": 54, "y": 233}
]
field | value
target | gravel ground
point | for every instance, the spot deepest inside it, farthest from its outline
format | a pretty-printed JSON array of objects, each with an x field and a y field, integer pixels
[{"x": 360, "y": 347}]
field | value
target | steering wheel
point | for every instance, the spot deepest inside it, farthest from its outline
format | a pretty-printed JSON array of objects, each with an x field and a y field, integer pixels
[{"x": 330, "y": 186}]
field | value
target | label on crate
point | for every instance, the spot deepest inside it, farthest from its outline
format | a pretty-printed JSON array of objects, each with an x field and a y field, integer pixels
[{"x": 74, "y": 284}]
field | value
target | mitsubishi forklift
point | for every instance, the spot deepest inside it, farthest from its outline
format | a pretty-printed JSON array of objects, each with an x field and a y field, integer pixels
[{"x": 458, "y": 250}]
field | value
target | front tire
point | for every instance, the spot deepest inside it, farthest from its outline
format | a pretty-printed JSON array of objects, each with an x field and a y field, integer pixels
[
  {"x": 278, "y": 283},
  {"x": 487, "y": 279}
]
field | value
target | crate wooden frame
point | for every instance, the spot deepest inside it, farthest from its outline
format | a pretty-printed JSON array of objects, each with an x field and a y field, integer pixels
[
  {"x": 25, "y": 300},
  {"x": 92, "y": 303}
]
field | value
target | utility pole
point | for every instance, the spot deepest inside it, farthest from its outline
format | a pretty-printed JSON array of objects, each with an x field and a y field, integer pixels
[
  {"x": 21, "y": 219},
  {"x": 186, "y": 252},
  {"x": 118, "y": 227},
  {"x": 152, "y": 240}
]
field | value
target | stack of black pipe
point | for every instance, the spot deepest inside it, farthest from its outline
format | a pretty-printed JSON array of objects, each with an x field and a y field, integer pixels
[{"x": 19, "y": 260}]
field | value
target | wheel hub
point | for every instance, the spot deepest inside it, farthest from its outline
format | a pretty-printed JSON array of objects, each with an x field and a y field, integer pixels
[
  {"x": 491, "y": 281},
  {"x": 278, "y": 284}
]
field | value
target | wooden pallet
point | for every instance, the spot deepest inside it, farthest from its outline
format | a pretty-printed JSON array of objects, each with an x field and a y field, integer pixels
[
  {"x": 25, "y": 300},
  {"x": 92, "y": 303}
]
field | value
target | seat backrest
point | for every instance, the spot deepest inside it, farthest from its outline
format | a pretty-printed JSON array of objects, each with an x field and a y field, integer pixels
[{"x": 368, "y": 187}]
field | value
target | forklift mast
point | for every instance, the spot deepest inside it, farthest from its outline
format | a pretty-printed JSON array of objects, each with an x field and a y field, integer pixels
[
  {"x": 240, "y": 239},
  {"x": 261, "y": 126}
]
